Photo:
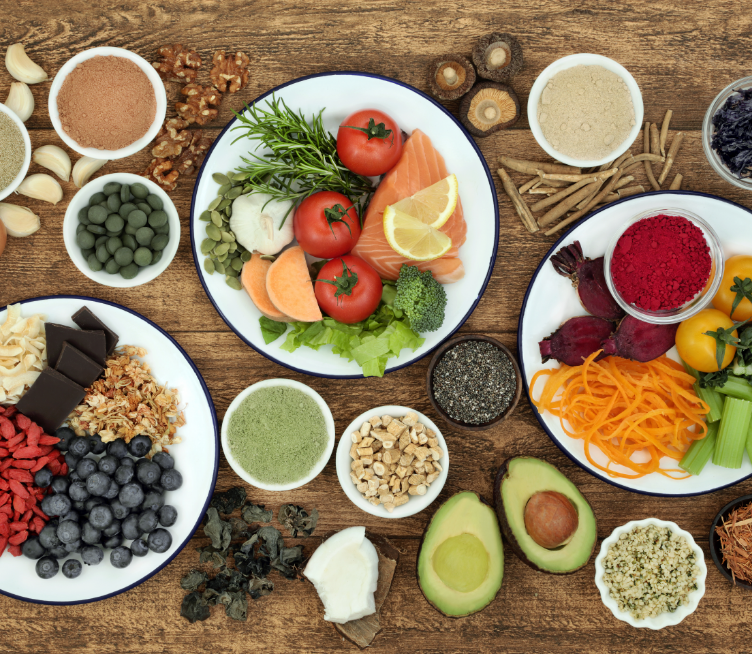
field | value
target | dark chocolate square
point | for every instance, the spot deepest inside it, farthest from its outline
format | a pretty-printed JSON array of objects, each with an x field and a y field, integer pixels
[
  {"x": 50, "y": 400},
  {"x": 85, "y": 319},
  {"x": 77, "y": 367},
  {"x": 91, "y": 343}
]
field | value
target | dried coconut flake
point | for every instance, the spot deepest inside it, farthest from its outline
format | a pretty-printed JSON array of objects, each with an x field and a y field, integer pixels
[{"x": 23, "y": 353}]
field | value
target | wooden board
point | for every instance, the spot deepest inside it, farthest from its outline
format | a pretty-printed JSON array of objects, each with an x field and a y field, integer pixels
[{"x": 680, "y": 53}]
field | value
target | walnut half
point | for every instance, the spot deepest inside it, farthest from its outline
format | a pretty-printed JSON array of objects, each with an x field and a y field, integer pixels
[
  {"x": 232, "y": 71},
  {"x": 198, "y": 109},
  {"x": 178, "y": 64},
  {"x": 161, "y": 172}
]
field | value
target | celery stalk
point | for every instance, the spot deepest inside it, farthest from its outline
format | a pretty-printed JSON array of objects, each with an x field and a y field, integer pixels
[
  {"x": 736, "y": 387},
  {"x": 691, "y": 370},
  {"x": 732, "y": 433},
  {"x": 749, "y": 441},
  {"x": 710, "y": 396},
  {"x": 700, "y": 451}
]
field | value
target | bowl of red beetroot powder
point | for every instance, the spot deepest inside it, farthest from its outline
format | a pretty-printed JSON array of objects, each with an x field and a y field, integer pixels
[{"x": 664, "y": 266}]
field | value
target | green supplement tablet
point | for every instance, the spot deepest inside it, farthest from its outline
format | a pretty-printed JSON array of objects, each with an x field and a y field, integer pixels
[
  {"x": 85, "y": 239},
  {"x": 112, "y": 267},
  {"x": 125, "y": 193},
  {"x": 108, "y": 233},
  {"x": 277, "y": 434},
  {"x": 144, "y": 235},
  {"x": 129, "y": 271},
  {"x": 83, "y": 216},
  {"x": 103, "y": 204},
  {"x": 94, "y": 263},
  {"x": 97, "y": 198},
  {"x": 114, "y": 222},
  {"x": 113, "y": 202},
  {"x": 129, "y": 241},
  {"x": 139, "y": 191},
  {"x": 130, "y": 230},
  {"x": 159, "y": 242},
  {"x": 142, "y": 257},
  {"x": 156, "y": 257},
  {"x": 111, "y": 187},
  {"x": 80, "y": 228},
  {"x": 145, "y": 208},
  {"x": 87, "y": 253},
  {"x": 164, "y": 229},
  {"x": 155, "y": 202},
  {"x": 102, "y": 253},
  {"x": 124, "y": 256},
  {"x": 137, "y": 218},
  {"x": 125, "y": 209},
  {"x": 96, "y": 214},
  {"x": 96, "y": 229},
  {"x": 100, "y": 240},
  {"x": 114, "y": 244},
  {"x": 157, "y": 219}
]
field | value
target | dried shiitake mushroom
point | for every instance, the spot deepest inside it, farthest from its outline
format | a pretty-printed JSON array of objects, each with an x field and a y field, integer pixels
[
  {"x": 488, "y": 108},
  {"x": 498, "y": 57},
  {"x": 450, "y": 76}
]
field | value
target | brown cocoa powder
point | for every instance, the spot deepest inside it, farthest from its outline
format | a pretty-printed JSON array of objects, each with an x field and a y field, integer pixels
[{"x": 106, "y": 103}]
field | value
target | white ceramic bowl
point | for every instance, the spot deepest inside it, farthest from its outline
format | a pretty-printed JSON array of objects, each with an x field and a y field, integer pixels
[
  {"x": 583, "y": 59},
  {"x": 664, "y": 619},
  {"x": 4, "y": 193},
  {"x": 159, "y": 94},
  {"x": 70, "y": 222},
  {"x": 417, "y": 502},
  {"x": 328, "y": 421}
]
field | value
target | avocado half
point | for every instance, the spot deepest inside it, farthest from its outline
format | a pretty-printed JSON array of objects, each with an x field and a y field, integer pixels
[
  {"x": 518, "y": 479},
  {"x": 461, "y": 558}
]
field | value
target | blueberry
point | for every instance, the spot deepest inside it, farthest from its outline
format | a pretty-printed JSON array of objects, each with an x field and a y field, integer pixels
[
  {"x": 55, "y": 505},
  {"x": 149, "y": 472},
  {"x": 96, "y": 445},
  {"x": 71, "y": 515},
  {"x": 130, "y": 528},
  {"x": 148, "y": 521},
  {"x": 80, "y": 507},
  {"x": 124, "y": 474},
  {"x": 73, "y": 476},
  {"x": 121, "y": 557},
  {"x": 159, "y": 541},
  {"x": 90, "y": 534},
  {"x": 68, "y": 531},
  {"x": 128, "y": 462},
  {"x": 157, "y": 489},
  {"x": 72, "y": 568},
  {"x": 139, "y": 547},
  {"x": 119, "y": 511},
  {"x": 86, "y": 468},
  {"x": 153, "y": 501},
  {"x": 32, "y": 548},
  {"x": 113, "y": 541},
  {"x": 92, "y": 555},
  {"x": 112, "y": 491},
  {"x": 92, "y": 502},
  {"x": 48, "y": 537},
  {"x": 171, "y": 480},
  {"x": 98, "y": 484},
  {"x": 43, "y": 477},
  {"x": 72, "y": 460},
  {"x": 47, "y": 567},
  {"x": 78, "y": 491},
  {"x": 75, "y": 547},
  {"x": 168, "y": 515},
  {"x": 131, "y": 495},
  {"x": 140, "y": 445},
  {"x": 117, "y": 448},
  {"x": 113, "y": 529},
  {"x": 65, "y": 434},
  {"x": 58, "y": 552},
  {"x": 101, "y": 516},
  {"x": 163, "y": 460},
  {"x": 79, "y": 446},
  {"x": 108, "y": 464}
]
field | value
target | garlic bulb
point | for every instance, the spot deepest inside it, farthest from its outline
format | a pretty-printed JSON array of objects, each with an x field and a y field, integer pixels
[
  {"x": 41, "y": 187},
  {"x": 18, "y": 221},
  {"x": 55, "y": 159},
  {"x": 21, "y": 67},
  {"x": 20, "y": 101},
  {"x": 84, "y": 168}
]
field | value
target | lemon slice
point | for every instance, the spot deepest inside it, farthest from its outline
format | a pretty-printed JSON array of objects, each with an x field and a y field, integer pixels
[
  {"x": 432, "y": 205},
  {"x": 412, "y": 238}
]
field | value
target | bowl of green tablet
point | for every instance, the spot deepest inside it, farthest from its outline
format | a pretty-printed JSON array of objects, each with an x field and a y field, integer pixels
[
  {"x": 278, "y": 434},
  {"x": 121, "y": 230}
]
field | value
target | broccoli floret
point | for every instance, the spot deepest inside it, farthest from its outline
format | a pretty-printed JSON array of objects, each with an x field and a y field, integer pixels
[{"x": 421, "y": 298}]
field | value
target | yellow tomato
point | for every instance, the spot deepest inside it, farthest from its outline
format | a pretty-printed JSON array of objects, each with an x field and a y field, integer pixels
[
  {"x": 696, "y": 347},
  {"x": 739, "y": 266}
]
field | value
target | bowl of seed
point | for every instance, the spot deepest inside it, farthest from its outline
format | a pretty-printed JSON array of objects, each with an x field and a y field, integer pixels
[
  {"x": 15, "y": 151},
  {"x": 473, "y": 382}
]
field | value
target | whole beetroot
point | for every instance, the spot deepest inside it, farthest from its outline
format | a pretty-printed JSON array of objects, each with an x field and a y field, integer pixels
[
  {"x": 640, "y": 341},
  {"x": 576, "y": 340},
  {"x": 588, "y": 278}
]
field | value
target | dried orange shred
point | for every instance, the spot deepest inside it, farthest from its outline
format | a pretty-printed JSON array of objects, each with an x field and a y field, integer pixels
[{"x": 623, "y": 407}]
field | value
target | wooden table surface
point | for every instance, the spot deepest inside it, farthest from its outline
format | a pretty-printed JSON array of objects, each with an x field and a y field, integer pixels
[{"x": 680, "y": 53}]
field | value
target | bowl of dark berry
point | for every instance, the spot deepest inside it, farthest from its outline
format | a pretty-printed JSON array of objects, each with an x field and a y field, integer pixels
[
  {"x": 473, "y": 382},
  {"x": 731, "y": 541}
]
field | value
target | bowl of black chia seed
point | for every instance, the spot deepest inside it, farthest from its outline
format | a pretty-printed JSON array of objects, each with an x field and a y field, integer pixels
[
  {"x": 473, "y": 382},
  {"x": 15, "y": 151}
]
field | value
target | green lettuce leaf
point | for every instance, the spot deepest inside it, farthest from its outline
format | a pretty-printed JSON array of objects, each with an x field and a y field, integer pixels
[{"x": 271, "y": 330}]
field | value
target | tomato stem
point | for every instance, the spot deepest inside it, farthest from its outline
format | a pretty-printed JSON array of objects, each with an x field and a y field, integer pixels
[
  {"x": 374, "y": 131},
  {"x": 742, "y": 289},
  {"x": 336, "y": 214},
  {"x": 345, "y": 284}
]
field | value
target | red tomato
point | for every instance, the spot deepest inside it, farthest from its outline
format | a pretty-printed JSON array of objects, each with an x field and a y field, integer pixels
[
  {"x": 348, "y": 289},
  {"x": 369, "y": 142},
  {"x": 326, "y": 224}
]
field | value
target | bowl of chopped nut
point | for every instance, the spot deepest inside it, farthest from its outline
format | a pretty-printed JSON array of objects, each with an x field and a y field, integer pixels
[
  {"x": 392, "y": 461},
  {"x": 650, "y": 573}
]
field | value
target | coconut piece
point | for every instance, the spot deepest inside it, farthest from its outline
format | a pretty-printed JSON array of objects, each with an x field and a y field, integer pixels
[
  {"x": 498, "y": 57},
  {"x": 489, "y": 107},
  {"x": 450, "y": 76}
]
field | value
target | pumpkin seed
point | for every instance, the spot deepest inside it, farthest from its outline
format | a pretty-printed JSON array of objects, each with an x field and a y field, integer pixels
[
  {"x": 234, "y": 282},
  {"x": 237, "y": 264},
  {"x": 228, "y": 211},
  {"x": 245, "y": 256},
  {"x": 207, "y": 245},
  {"x": 224, "y": 204},
  {"x": 234, "y": 192},
  {"x": 221, "y": 257},
  {"x": 214, "y": 203},
  {"x": 247, "y": 188},
  {"x": 205, "y": 216},
  {"x": 268, "y": 257},
  {"x": 229, "y": 270},
  {"x": 220, "y": 267},
  {"x": 216, "y": 218},
  {"x": 224, "y": 188},
  {"x": 233, "y": 247},
  {"x": 228, "y": 237},
  {"x": 209, "y": 266},
  {"x": 212, "y": 231},
  {"x": 220, "y": 178},
  {"x": 239, "y": 177},
  {"x": 221, "y": 249}
]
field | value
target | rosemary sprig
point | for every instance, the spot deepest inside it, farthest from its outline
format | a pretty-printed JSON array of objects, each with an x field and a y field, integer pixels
[{"x": 298, "y": 157}]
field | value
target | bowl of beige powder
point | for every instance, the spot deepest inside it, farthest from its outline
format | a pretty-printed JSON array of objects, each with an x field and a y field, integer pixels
[
  {"x": 585, "y": 110},
  {"x": 107, "y": 103}
]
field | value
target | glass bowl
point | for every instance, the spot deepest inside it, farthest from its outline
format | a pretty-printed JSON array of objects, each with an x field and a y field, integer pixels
[
  {"x": 697, "y": 303},
  {"x": 708, "y": 130}
]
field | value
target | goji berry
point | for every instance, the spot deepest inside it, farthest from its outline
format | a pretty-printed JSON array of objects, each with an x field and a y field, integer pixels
[
  {"x": 28, "y": 452},
  {"x": 7, "y": 510},
  {"x": 22, "y": 421},
  {"x": 14, "y": 550},
  {"x": 7, "y": 431},
  {"x": 21, "y": 475},
  {"x": 3, "y": 543},
  {"x": 40, "y": 513},
  {"x": 64, "y": 469},
  {"x": 18, "y": 526},
  {"x": 18, "y": 489},
  {"x": 48, "y": 440},
  {"x": 37, "y": 524},
  {"x": 27, "y": 516},
  {"x": 10, "y": 411},
  {"x": 26, "y": 464},
  {"x": 3, "y": 452},
  {"x": 4, "y": 484},
  {"x": 40, "y": 464},
  {"x": 6, "y": 464},
  {"x": 19, "y": 538},
  {"x": 54, "y": 466},
  {"x": 34, "y": 433},
  {"x": 44, "y": 450},
  {"x": 4, "y": 529},
  {"x": 4, "y": 497},
  {"x": 19, "y": 506}
]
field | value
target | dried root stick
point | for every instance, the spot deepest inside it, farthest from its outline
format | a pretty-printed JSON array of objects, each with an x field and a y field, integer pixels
[
  {"x": 553, "y": 199},
  {"x": 648, "y": 166},
  {"x": 655, "y": 140},
  {"x": 519, "y": 204},
  {"x": 531, "y": 167},
  {"x": 560, "y": 209},
  {"x": 673, "y": 151},
  {"x": 623, "y": 193},
  {"x": 563, "y": 177},
  {"x": 528, "y": 185},
  {"x": 676, "y": 184},
  {"x": 664, "y": 131}
]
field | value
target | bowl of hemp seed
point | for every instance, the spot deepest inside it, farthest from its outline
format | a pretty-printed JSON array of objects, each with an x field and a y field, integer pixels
[
  {"x": 15, "y": 151},
  {"x": 473, "y": 382}
]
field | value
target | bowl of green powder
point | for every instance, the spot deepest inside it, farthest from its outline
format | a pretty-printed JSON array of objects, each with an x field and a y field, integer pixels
[
  {"x": 15, "y": 151},
  {"x": 278, "y": 434}
]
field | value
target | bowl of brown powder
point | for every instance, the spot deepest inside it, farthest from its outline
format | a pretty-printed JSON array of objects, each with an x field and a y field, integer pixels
[
  {"x": 15, "y": 151},
  {"x": 585, "y": 110},
  {"x": 107, "y": 103}
]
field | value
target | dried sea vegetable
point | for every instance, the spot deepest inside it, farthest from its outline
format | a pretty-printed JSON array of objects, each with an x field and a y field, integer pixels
[
  {"x": 194, "y": 607},
  {"x": 256, "y": 513},
  {"x": 297, "y": 520},
  {"x": 732, "y": 139},
  {"x": 217, "y": 529},
  {"x": 218, "y": 558},
  {"x": 228, "y": 501},
  {"x": 193, "y": 580}
]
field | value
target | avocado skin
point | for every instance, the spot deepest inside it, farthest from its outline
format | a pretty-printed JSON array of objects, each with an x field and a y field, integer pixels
[
  {"x": 508, "y": 533},
  {"x": 420, "y": 549}
]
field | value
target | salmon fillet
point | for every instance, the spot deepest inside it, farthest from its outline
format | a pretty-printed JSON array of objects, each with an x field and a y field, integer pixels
[{"x": 419, "y": 167}]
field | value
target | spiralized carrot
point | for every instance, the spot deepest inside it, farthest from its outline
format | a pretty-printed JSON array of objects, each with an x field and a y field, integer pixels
[{"x": 623, "y": 407}]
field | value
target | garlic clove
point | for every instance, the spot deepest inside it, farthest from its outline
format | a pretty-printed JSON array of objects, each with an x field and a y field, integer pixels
[
  {"x": 18, "y": 221},
  {"x": 84, "y": 168},
  {"x": 55, "y": 159},
  {"x": 20, "y": 101},
  {"x": 41, "y": 187},
  {"x": 21, "y": 67}
]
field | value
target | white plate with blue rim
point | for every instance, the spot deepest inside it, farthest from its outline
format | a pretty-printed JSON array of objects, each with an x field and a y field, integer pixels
[
  {"x": 340, "y": 94},
  {"x": 196, "y": 457}
]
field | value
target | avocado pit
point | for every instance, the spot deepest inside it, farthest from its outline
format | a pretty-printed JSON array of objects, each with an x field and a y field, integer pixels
[{"x": 550, "y": 519}]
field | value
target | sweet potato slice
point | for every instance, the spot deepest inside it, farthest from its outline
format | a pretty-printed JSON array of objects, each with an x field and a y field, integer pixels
[
  {"x": 253, "y": 279},
  {"x": 289, "y": 286}
]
